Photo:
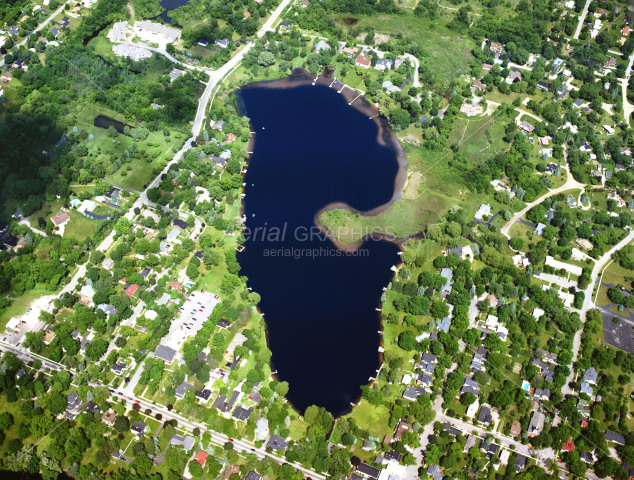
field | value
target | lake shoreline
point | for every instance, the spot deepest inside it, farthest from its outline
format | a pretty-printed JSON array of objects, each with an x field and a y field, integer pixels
[{"x": 385, "y": 137}]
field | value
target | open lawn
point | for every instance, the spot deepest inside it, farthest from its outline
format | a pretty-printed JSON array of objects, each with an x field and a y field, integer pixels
[
  {"x": 22, "y": 303},
  {"x": 79, "y": 227},
  {"x": 372, "y": 418},
  {"x": 617, "y": 275},
  {"x": 445, "y": 52}
]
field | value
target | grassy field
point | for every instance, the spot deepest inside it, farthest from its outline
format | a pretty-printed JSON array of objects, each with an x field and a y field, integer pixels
[
  {"x": 617, "y": 275},
  {"x": 22, "y": 303},
  {"x": 445, "y": 51}
]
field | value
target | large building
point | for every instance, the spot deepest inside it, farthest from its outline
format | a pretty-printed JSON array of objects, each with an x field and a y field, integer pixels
[{"x": 155, "y": 32}]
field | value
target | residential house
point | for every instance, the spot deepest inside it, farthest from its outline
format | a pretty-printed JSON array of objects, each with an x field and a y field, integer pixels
[
  {"x": 614, "y": 437},
  {"x": 60, "y": 219},
  {"x": 590, "y": 376},
  {"x": 322, "y": 45},
  {"x": 586, "y": 388},
  {"x": 478, "y": 85},
  {"x": 514, "y": 76},
  {"x": 568, "y": 446},
  {"x": 349, "y": 51},
  {"x": 488, "y": 448},
  {"x": 516, "y": 429},
  {"x": 448, "y": 427},
  {"x": 165, "y": 353},
  {"x": 484, "y": 210},
  {"x": 391, "y": 88},
  {"x": 276, "y": 443},
  {"x": 485, "y": 417},
  {"x": 368, "y": 471},
  {"x": 586, "y": 457},
  {"x": 520, "y": 462},
  {"x": 470, "y": 386},
  {"x": 363, "y": 62},
  {"x": 412, "y": 392},
  {"x": 129, "y": 290},
  {"x": 175, "y": 73},
  {"x": 401, "y": 428},
  {"x": 496, "y": 48},
  {"x": 118, "y": 368},
  {"x": 138, "y": 428},
  {"x": 543, "y": 85},
  {"x": 384, "y": 64},
  {"x": 73, "y": 402},
  {"x": 224, "y": 405},
  {"x": 203, "y": 395},
  {"x": 447, "y": 274},
  {"x": 539, "y": 229},
  {"x": 542, "y": 393},
  {"x": 536, "y": 424},
  {"x": 562, "y": 92},
  {"x": 181, "y": 390},
  {"x": 222, "y": 42},
  {"x": 108, "y": 417},
  {"x": 201, "y": 458},
  {"x": 242, "y": 414},
  {"x": 526, "y": 127}
]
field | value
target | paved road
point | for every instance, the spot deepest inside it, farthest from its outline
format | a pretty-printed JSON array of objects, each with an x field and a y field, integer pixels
[
  {"x": 588, "y": 302},
  {"x": 581, "y": 19},
  {"x": 628, "y": 108},
  {"x": 414, "y": 60},
  {"x": 119, "y": 186},
  {"x": 570, "y": 184},
  {"x": 532, "y": 115},
  {"x": 25, "y": 221}
]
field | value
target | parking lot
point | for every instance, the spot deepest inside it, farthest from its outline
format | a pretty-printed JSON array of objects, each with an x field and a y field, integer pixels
[
  {"x": 619, "y": 335},
  {"x": 191, "y": 317}
]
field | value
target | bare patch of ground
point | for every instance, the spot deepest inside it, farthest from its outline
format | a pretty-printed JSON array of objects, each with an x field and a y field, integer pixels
[
  {"x": 411, "y": 139},
  {"x": 380, "y": 38},
  {"x": 410, "y": 191}
]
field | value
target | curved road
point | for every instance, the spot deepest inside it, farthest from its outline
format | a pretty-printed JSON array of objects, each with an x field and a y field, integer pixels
[{"x": 570, "y": 184}]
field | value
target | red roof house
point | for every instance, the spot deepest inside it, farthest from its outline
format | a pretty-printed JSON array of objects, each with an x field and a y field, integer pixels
[
  {"x": 60, "y": 219},
  {"x": 131, "y": 289},
  {"x": 175, "y": 286},
  {"x": 361, "y": 61},
  {"x": 201, "y": 457},
  {"x": 568, "y": 446}
]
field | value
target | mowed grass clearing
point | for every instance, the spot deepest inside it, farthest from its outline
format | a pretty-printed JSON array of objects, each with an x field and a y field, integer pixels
[{"x": 445, "y": 51}]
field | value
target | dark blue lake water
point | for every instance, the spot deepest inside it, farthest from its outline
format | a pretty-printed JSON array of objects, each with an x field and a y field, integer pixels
[
  {"x": 169, "y": 5},
  {"x": 312, "y": 149}
]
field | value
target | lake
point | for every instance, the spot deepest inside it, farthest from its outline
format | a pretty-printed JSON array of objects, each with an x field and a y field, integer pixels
[
  {"x": 103, "y": 121},
  {"x": 312, "y": 149},
  {"x": 170, "y": 5}
]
